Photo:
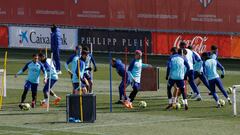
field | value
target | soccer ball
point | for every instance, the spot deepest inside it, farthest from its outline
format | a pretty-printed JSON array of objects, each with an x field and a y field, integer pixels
[
  {"x": 229, "y": 91},
  {"x": 222, "y": 102},
  {"x": 142, "y": 104},
  {"x": 26, "y": 106},
  {"x": 178, "y": 106}
]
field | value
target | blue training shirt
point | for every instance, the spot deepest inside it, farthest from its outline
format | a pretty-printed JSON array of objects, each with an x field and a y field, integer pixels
[
  {"x": 77, "y": 70},
  {"x": 197, "y": 66},
  {"x": 176, "y": 67},
  {"x": 120, "y": 67},
  {"x": 210, "y": 68},
  {"x": 73, "y": 60},
  {"x": 135, "y": 70},
  {"x": 50, "y": 68},
  {"x": 34, "y": 70},
  {"x": 88, "y": 61}
]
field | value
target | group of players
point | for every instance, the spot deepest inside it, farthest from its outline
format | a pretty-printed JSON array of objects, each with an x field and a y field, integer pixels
[
  {"x": 187, "y": 65},
  {"x": 80, "y": 73},
  {"x": 183, "y": 65}
]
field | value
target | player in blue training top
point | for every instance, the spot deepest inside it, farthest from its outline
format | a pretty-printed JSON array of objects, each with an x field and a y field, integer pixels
[
  {"x": 190, "y": 74},
  {"x": 214, "y": 52},
  {"x": 120, "y": 68},
  {"x": 198, "y": 69},
  {"x": 56, "y": 42},
  {"x": 176, "y": 69},
  {"x": 50, "y": 68},
  {"x": 134, "y": 77},
  {"x": 210, "y": 66},
  {"x": 79, "y": 71},
  {"x": 34, "y": 68},
  {"x": 89, "y": 59},
  {"x": 73, "y": 60}
]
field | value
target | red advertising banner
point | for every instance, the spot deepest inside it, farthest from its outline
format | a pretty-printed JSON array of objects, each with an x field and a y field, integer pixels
[
  {"x": 171, "y": 15},
  {"x": 227, "y": 46},
  {"x": 3, "y": 37}
]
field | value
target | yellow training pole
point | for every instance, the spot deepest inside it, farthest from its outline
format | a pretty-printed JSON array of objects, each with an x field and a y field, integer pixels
[
  {"x": 79, "y": 78},
  {"x": 3, "y": 75}
]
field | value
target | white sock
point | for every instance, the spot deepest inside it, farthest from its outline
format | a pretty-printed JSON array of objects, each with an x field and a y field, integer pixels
[
  {"x": 228, "y": 98},
  {"x": 174, "y": 100},
  {"x": 170, "y": 101},
  {"x": 218, "y": 102},
  {"x": 185, "y": 102}
]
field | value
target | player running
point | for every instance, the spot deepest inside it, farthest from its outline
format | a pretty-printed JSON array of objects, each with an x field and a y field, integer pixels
[
  {"x": 120, "y": 68},
  {"x": 210, "y": 66},
  {"x": 51, "y": 71},
  {"x": 190, "y": 74},
  {"x": 134, "y": 75},
  {"x": 176, "y": 69},
  {"x": 73, "y": 60},
  {"x": 198, "y": 69},
  {"x": 34, "y": 68},
  {"x": 87, "y": 74}
]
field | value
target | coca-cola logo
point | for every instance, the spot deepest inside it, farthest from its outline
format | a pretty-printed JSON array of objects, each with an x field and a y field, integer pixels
[{"x": 198, "y": 43}]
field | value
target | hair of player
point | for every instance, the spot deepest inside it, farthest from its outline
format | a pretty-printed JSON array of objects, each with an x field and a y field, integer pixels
[
  {"x": 174, "y": 50},
  {"x": 41, "y": 55},
  {"x": 214, "y": 47},
  {"x": 35, "y": 55},
  {"x": 84, "y": 52},
  {"x": 85, "y": 48},
  {"x": 190, "y": 47},
  {"x": 53, "y": 28},
  {"x": 205, "y": 56},
  {"x": 182, "y": 44}
]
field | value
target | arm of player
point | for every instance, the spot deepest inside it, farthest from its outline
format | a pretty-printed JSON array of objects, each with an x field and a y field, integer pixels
[
  {"x": 168, "y": 68},
  {"x": 219, "y": 65},
  {"x": 22, "y": 70},
  {"x": 186, "y": 64},
  {"x": 146, "y": 65},
  {"x": 70, "y": 59},
  {"x": 94, "y": 63},
  {"x": 44, "y": 73}
]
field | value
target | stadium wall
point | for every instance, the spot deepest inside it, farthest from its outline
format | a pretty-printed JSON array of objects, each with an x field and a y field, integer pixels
[
  {"x": 194, "y": 16},
  {"x": 158, "y": 43}
]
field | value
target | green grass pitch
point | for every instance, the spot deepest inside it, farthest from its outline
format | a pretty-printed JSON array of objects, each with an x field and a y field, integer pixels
[{"x": 202, "y": 118}]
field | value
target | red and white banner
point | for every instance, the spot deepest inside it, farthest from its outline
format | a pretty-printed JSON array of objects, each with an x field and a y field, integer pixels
[
  {"x": 3, "y": 37},
  {"x": 174, "y": 15},
  {"x": 163, "y": 42}
]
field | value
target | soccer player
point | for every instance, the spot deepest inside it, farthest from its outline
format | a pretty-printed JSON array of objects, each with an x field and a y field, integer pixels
[
  {"x": 214, "y": 52},
  {"x": 87, "y": 73},
  {"x": 56, "y": 42},
  {"x": 210, "y": 66},
  {"x": 190, "y": 74},
  {"x": 198, "y": 69},
  {"x": 34, "y": 68},
  {"x": 73, "y": 60},
  {"x": 176, "y": 69},
  {"x": 51, "y": 71},
  {"x": 134, "y": 75},
  {"x": 120, "y": 68},
  {"x": 80, "y": 80}
]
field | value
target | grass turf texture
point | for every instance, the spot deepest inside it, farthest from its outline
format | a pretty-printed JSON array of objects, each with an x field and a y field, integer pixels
[{"x": 202, "y": 118}]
